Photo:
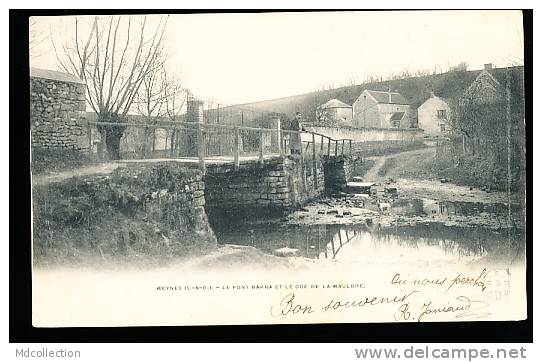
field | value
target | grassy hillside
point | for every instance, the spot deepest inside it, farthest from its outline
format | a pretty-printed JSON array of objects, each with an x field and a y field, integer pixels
[{"x": 415, "y": 89}]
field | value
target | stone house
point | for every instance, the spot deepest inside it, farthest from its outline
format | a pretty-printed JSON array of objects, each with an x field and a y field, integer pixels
[
  {"x": 485, "y": 89},
  {"x": 433, "y": 116},
  {"x": 378, "y": 109},
  {"x": 57, "y": 109},
  {"x": 335, "y": 110}
]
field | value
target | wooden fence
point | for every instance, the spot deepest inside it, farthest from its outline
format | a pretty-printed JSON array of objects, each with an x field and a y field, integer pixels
[{"x": 206, "y": 141}]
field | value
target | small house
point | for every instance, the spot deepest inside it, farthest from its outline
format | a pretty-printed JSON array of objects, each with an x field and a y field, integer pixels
[
  {"x": 379, "y": 109},
  {"x": 335, "y": 110},
  {"x": 433, "y": 116},
  {"x": 485, "y": 89}
]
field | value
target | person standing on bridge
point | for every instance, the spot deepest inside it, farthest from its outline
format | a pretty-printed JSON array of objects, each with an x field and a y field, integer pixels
[{"x": 295, "y": 138}]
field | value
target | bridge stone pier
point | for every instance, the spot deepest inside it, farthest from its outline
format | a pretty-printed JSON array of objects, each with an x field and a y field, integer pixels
[
  {"x": 276, "y": 186},
  {"x": 273, "y": 188}
]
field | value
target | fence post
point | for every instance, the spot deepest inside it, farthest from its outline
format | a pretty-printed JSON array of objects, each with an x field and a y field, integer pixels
[
  {"x": 328, "y": 147},
  {"x": 279, "y": 137},
  {"x": 236, "y": 149},
  {"x": 336, "y": 147},
  {"x": 342, "y": 149},
  {"x": 172, "y": 142},
  {"x": 146, "y": 142},
  {"x": 201, "y": 148},
  {"x": 262, "y": 134},
  {"x": 350, "y": 147},
  {"x": 322, "y": 144},
  {"x": 89, "y": 134},
  {"x": 314, "y": 162},
  {"x": 303, "y": 174}
]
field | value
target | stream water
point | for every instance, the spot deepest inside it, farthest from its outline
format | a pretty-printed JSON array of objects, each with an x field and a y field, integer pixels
[{"x": 369, "y": 242}]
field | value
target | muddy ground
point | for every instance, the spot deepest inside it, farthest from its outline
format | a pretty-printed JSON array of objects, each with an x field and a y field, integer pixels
[{"x": 416, "y": 201}]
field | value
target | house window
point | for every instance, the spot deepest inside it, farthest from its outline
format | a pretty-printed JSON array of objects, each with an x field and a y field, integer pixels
[
  {"x": 442, "y": 127},
  {"x": 395, "y": 123},
  {"x": 441, "y": 113}
]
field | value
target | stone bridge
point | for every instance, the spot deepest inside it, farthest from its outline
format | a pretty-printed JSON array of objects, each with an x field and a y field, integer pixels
[
  {"x": 275, "y": 186},
  {"x": 178, "y": 198}
]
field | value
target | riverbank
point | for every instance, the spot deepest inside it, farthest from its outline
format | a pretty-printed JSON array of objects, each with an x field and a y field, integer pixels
[
  {"x": 424, "y": 164},
  {"x": 422, "y": 196}
]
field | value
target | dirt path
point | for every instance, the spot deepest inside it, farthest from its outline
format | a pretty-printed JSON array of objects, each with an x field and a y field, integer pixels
[
  {"x": 408, "y": 159},
  {"x": 372, "y": 174},
  {"x": 395, "y": 166},
  {"x": 103, "y": 168},
  {"x": 106, "y": 168}
]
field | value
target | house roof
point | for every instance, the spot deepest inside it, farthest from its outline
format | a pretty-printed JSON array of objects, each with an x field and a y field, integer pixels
[
  {"x": 397, "y": 116},
  {"x": 54, "y": 75},
  {"x": 383, "y": 97},
  {"x": 486, "y": 73},
  {"x": 448, "y": 101},
  {"x": 448, "y": 86},
  {"x": 334, "y": 103}
]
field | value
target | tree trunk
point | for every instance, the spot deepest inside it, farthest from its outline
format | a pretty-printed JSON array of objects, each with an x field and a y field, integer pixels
[
  {"x": 172, "y": 142},
  {"x": 112, "y": 144},
  {"x": 111, "y": 134}
]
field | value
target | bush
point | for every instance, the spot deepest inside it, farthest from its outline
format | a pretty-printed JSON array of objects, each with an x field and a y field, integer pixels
[
  {"x": 382, "y": 148},
  {"x": 53, "y": 160},
  {"x": 475, "y": 171}
]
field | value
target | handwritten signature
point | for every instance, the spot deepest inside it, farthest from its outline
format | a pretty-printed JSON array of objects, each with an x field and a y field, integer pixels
[
  {"x": 462, "y": 307},
  {"x": 289, "y": 306}
]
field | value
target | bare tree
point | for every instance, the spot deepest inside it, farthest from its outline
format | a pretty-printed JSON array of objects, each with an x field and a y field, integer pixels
[
  {"x": 174, "y": 96},
  {"x": 36, "y": 37},
  {"x": 150, "y": 103},
  {"x": 352, "y": 81},
  {"x": 174, "y": 100},
  {"x": 459, "y": 67},
  {"x": 161, "y": 96},
  {"x": 113, "y": 59}
]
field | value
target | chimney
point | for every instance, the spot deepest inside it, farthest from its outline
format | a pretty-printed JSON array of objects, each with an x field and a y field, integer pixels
[
  {"x": 389, "y": 94},
  {"x": 488, "y": 66},
  {"x": 432, "y": 94},
  {"x": 194, "y": 110}
]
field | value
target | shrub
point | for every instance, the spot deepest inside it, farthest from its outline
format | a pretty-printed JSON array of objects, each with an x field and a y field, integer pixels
[{"x": 52, "y": 160}]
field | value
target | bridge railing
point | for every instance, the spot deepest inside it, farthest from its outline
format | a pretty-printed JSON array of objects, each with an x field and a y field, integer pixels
[{"x": 215, "y": 142}]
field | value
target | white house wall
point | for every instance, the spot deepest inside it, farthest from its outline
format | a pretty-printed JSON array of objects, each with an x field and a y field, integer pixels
[
  {"x": 366, "y": 111},
  {"x": 427, "y": 116},
  {"x": 369, "y": 113}
]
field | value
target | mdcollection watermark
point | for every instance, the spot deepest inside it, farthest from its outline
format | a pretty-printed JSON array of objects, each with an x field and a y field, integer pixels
[{"x": 47, "y": 353}]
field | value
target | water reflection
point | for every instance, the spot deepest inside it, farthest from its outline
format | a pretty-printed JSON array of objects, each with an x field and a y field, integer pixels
[
  {"x": 422, "y": 207},
  {"x": 374, "y": 244}
]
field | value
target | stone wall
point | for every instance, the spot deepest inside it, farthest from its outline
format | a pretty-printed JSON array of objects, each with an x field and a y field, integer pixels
[
  {"x": 277, "y": 186},
  {"x": 139, "y": 208},
  {"x": 56, "y": 111},
  {"x": 366, "y": 134},
  {"x": 338, "y": 171}
]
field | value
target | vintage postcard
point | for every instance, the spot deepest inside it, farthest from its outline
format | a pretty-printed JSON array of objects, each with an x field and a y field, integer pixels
[{"x": 278, "y": 168}]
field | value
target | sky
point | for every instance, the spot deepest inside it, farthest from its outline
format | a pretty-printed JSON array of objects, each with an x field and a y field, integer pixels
[{"x": 240, "y": 58}]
